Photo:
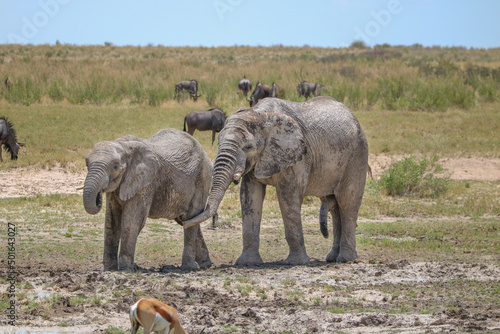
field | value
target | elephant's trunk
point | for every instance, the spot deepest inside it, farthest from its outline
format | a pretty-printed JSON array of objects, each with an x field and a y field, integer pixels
[
  {"x": 92, "y": 190},
  {"x": 224, "y": 166}
]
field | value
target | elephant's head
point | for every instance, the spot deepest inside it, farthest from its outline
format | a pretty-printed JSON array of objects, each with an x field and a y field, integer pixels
[
  {"x": 126, "y": 165},
  {"x": 264, "y": 143}
]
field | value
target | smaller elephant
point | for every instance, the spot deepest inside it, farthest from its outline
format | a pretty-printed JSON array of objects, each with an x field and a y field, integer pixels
[
  {"x": 165, "y": 176},
  {"x": 212, "y": 119}
]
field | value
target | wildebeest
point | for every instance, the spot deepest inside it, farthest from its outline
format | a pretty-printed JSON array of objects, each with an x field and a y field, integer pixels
[
  {"x": 205, "y": 120},
  {"x": 189, "y": 85},
  {"x": 8, "y": 139},
  {"x": 261, "y": 91},
  {"x": 277, "y": 91},
  {"x": 245, "y": 85},
  {"x": 307, "y": 89}
]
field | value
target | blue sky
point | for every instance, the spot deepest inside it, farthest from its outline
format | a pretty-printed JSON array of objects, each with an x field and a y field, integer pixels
[{"x": 335, "y": 23}]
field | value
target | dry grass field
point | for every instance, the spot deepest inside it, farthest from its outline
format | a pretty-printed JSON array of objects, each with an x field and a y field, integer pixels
[{"x": 429, "y": 257}]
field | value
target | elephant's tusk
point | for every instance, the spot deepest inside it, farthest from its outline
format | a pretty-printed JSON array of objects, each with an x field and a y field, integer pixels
[
  {"x": 80, "y": 188},
  {"x": 237, "y": 177}
]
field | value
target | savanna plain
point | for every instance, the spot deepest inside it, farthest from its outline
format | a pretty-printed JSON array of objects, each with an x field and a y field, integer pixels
[{"x": 428, "y": 231}]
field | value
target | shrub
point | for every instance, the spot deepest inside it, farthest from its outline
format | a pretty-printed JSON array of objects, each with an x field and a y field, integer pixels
[
  {"x": 412, "y": 177},
  {"x": 55, "y": 92},
  {"x": 358, "y": 44}
]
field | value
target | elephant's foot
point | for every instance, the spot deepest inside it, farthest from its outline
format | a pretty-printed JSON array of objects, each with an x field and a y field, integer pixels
[
  {"x": 110, "y": 266},
  {"x": 128, "y": 267},
  {"x": 205, "y": 263},
  {"x": 347, "y": 256},
  {"x": 297, "y": 258},
  {"x": 248, "y": 258},
  {"x": 126, "y": 263},
  {"x": 334, "y": 253},
  {"x": 189, "y": 264}
]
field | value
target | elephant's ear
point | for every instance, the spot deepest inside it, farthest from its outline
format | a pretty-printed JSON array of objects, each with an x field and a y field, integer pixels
[
  {"x": 141, "y": 170},
  {"x": 284, "y": 146}
]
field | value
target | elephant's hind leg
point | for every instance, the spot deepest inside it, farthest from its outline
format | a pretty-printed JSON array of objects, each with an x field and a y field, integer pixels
[
  {"x": 333, "y": 207},
  {"x": 190, "y": 249},
  {"x": 202, "y": 256},
  {"x": 346, "y": 234}
]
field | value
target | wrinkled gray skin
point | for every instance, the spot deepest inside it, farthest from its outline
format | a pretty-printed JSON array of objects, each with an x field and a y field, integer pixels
[
  {"x": 8, "y": 139},
  {"x": 165, "y": 176},
  {"x": 261, "y": 91},
  {"x": 314, "y": 148},
  {"x": 245, "y": 86},
  {"x": 205, "y": 120},
  {"x": 190, "y": 85},
  {"x": 277, "y": 91},
  {"x": 307, "y": 89}
]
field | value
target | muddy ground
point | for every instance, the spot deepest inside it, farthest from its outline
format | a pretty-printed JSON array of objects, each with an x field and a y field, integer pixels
[
  {"x": 269, "y": 299},
  {"x": 210, "y": 298}
]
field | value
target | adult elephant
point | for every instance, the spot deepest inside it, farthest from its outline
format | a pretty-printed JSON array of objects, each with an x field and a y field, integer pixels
[
  {"x": 205, "y": 120},
  {"x": 313, "y": 148},
  {"x": 165, "y": 176}
]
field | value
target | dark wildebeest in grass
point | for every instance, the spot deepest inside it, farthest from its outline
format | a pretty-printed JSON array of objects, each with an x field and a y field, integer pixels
[
  {"x": 7, "y": 83},
  {"x": 277, "y": 91},
  {"x": 245, "y": 85},
  {"x": 307, "y": 89},
  {"x": 261, "y": 91},
  {"x": 205, "y": 120},
  {"x": 191, "y": 86},
  {"x": 8, "y": 139}
]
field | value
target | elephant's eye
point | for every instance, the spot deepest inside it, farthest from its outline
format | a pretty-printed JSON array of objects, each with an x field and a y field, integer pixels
[
  {"x": 116, "y": 167},
  {"x": 247, "y": 147}
]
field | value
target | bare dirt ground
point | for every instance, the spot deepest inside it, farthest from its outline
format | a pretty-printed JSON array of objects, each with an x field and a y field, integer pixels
[
  {"x": 29, "y": 182},
  {"x": 279, "y": 299}
]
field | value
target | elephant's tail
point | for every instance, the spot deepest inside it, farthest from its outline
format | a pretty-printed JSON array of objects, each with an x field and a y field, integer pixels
[
  {"x": 328, "y": 204},
  {"x": 323, "y": 219},
  {"x": 184, "y": 124}
]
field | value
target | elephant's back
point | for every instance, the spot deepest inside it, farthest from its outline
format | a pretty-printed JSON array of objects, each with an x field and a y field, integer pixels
[{"x": 180, "y": 150}]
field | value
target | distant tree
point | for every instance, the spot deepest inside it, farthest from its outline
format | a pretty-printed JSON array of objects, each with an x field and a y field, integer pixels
[
  {"x": 382, "y": 46},
  {"x": 108, "y": 44},
  {"x": 358, "y": 45}
]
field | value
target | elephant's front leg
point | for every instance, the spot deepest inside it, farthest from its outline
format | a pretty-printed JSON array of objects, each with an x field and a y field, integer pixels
[
  {"x": 290, "y": 195},
  {"x": 252, "y": 195},
  {"x": 134, "y": 215},
  {"x": 112, "y": 226}
]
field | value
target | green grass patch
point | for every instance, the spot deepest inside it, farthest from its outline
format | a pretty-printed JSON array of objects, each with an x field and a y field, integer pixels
[{"x": 412, "y": 177}]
